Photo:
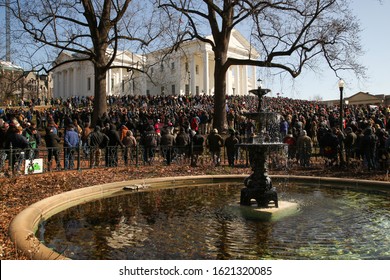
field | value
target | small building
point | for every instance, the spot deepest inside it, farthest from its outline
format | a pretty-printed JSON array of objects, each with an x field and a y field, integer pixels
[
  {"x": 17, "y": 84},
  {"x": 366, "y": 99},
  {"x": 363, "y": 98},
  {"x": 11, "y": 81}
]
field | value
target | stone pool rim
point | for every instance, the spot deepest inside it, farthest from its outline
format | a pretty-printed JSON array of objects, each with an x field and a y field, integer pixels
[{"x": 24, "y": 225}]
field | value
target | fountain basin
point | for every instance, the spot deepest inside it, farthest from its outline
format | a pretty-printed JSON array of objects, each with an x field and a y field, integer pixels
[{"x": 23, "y": 227}]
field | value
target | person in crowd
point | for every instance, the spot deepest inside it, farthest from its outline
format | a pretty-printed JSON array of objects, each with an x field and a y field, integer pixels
[
  {"x": 3, "y": 133},
  {"x": 230, "y": 116},
  {"x": 350, "y": 145},
  {"x": 215, "y": 142},
  {"x": 123, "y": 131},
  {"x": 182, "y": 142},
  {"x": 52, "y": 141},
  {"x": 237, "y": 153},
  {"x": 368, "y": 148},
  {"x": 158, "y": 126},
  {"x": 84, "y": 139},
  {"x": 230, "y": 144},
  {"x": 197, "y": 148},
  {"x": 249, "y": 130},
  {"x": 382, "y": 155},
  {"x": 329, "y": 145},
  {"x": 150, "y": 140},
  {"x": 283, "y": 127},
  {"x": 167, "y": 143},
  {"x": 341, "y": 147},
  {"x": 203, "y": 122},
  {"x": 114, "y": 142},
  {"x": 77, "y": 127},
  {"x": 52, "y": 125},
  {"x": 130, "y": 143},
  {"x": 304, "y": 147},
  {"x": 71, "y": 144},
  {"x": 19, "y": 145},
  {"x": 97, "y": 141},
  {"x": 34, "y": 138},
  {"x": 291, "y": 147}
]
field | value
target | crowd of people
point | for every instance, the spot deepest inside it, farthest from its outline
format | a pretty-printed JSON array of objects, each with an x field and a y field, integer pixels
[{"x": 183, "y": 125}]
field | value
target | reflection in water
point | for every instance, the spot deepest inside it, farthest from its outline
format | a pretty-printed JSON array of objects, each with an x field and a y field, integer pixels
[{"x": 206, "y": 223}]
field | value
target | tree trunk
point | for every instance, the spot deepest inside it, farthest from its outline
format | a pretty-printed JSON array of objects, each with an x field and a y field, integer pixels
[
  {"x": 100, "y": 102},
  {"x": 220, "y": 53},
  {"x": 219, "y": 119}
]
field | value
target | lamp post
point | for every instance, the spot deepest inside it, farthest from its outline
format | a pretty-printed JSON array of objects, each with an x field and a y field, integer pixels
[{"x": 341, "y": 88}]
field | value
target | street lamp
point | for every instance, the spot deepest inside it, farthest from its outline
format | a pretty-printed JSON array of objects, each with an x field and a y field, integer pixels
[{"x": 341, "y": 88}]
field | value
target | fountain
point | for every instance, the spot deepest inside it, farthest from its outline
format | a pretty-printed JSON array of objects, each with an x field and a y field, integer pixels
[{"x": 258, "y": 185}]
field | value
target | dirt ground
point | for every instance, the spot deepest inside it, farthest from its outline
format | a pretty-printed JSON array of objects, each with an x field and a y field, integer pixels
[{"x": 19, "y": 192}]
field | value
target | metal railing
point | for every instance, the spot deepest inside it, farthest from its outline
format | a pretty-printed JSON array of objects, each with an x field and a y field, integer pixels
[{"x": 16, "y": 162}]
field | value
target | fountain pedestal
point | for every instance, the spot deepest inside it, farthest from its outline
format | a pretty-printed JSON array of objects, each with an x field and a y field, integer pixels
[{"x": 258, "y": 185}]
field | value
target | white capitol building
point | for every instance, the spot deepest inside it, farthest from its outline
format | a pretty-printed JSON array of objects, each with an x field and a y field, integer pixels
[{"x": 187, "y": 71}]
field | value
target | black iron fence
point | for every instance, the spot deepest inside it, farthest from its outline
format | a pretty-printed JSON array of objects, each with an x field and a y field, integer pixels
[{"x": 16, "y": 162}]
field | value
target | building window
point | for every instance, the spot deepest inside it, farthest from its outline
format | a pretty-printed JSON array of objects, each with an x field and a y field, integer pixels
[
  {"x": 197, "y": 89},
  {"x": 162, "y": 67},
  {"x": 123, "y": 86},
  {"x": 112, "y": 83},
  {"x": 89, "y": 84},
  {"x": 151, "y": 71},
  {"x": 162, "y": 90},
  {"x": 186, "y": 66},
  {"x": 187, "y": 89},
  {"x": 196, "y": 69},
  {"x": 173, "y": 65},
  {"x": 173, "y": 90}
]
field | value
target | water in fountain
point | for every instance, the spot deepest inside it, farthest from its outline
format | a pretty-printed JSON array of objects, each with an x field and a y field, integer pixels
[{"x": 208, "y": 223}]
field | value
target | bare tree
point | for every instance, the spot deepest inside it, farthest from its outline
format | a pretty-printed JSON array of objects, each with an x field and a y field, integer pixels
[
  {"x": 290, "y": 35},
  {"x": 92, "y": 29}
]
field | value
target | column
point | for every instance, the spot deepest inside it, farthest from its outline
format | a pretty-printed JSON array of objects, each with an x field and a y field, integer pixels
[
  {"x": 206, "y": 72},
  {"x": 192, "y": 75},
  {"x": 228, "y": 84},
  {"x": 121, "y": 83},
  {"x": 75, "y": 82},
  {"x": 108, "y": 82},
  {"x": 238, "y": 80},
  {"x": 179, "y": 76},
  {"x": 244, "y": 80},
  {"x": 70, "y": 81},
  {"x": 56, "y": 82},
  {"x": 64, "y": 84}
]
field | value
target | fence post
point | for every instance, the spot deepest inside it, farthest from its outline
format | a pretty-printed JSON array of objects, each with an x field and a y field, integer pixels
[
  {"x": 136, "y": 154},
  {"x": 11, "y": 162},
  {"x": 78, "y": 157}
]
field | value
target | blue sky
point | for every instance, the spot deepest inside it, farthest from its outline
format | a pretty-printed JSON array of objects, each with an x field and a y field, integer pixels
[{"x": 375, "y": 22}]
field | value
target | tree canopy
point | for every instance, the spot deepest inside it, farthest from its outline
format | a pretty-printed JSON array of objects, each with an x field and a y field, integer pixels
[{"x": 290, "y": 35}]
